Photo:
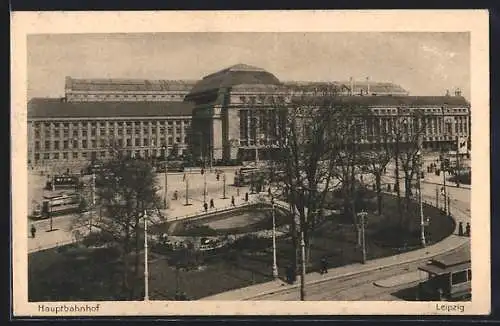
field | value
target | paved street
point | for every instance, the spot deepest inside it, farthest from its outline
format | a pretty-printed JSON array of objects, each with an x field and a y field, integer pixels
[
  {"x": 359, "y": 287},
  {"x": 62, "y": 224}
]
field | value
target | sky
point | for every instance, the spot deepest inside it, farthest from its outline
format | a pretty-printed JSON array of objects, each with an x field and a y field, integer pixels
[{"x": 422, "y": 63}]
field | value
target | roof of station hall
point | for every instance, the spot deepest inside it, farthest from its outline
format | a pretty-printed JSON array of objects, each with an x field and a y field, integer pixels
[
  {"x": 58, "y": 108},
  {"x": 239, "y": 74},
  {"x": 117, "y": 85},
  {"x": 389, "y": 101}
]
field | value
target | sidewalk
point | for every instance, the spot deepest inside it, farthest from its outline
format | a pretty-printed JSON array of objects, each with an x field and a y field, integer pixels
[
  {"x": 63, "y": 235},
  {"x": 431, "y": 178}
]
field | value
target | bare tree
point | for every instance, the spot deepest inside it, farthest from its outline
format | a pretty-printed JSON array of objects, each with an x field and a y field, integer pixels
[
  {"x": 306, "y": 139},
  {"x": 407, "y": 130},
  {"x": 376, "y": 160},
  {"x": 347, "y": 156},
  {"x": 126, "y": 190}
]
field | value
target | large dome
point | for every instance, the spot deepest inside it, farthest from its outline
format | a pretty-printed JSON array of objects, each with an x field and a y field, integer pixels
[{"x": 240, "y": 74}]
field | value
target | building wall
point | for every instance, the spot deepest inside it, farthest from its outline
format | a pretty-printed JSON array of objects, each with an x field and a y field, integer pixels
[{"x": 66, "y": 141}]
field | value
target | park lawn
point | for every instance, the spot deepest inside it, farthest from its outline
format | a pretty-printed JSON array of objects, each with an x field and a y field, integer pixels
[{"x": 93, "y": 274}]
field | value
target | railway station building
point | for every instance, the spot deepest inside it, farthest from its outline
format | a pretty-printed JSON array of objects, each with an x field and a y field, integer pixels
[{"x": 227, "y": 115}]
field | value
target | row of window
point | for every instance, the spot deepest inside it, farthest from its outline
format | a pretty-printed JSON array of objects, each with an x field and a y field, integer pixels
[
  {"x": 262, "y": 99},
  {"x": 110, "y": 123},
  {"x": 87, "y": 155},
  {"x": 124, "y": 96},
  {"x": 102, "y": 131},
  {"x": 426, "y": 110},
  {"x": 56, "y": 144}
]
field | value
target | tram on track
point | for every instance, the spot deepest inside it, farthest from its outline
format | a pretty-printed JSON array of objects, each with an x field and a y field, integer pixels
[{"x": 448, "y": 277}]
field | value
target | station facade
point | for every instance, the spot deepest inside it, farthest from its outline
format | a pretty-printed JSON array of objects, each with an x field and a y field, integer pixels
[{"x": 230, "y": 114}]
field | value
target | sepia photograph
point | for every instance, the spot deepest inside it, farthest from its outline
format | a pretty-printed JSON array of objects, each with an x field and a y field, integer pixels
[{"x": 202, "y": 166}]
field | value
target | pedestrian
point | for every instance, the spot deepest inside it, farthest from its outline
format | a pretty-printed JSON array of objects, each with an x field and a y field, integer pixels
[
  {"x": 467, "y": 229},
  {"x": 289, "y": 274},
  {"x": 246, "y": 196},
  {"x": 176, "y": 195},
  {"x": 458, "y": 184},
  {"x": 212, "y": 203},
  {"x": 232, "y": 201},
  {"x": 460, "y": 229},
  {"x": 33, "y": 231},
  {"x": 324, "y": 265},
  {"x": 269, "y": 191},
  {"x": 217, "y": 176},
  {"x": 205, "y": 206}
]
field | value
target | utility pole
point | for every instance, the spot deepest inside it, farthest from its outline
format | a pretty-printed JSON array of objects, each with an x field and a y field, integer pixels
[
  {"x": 437, "y": 196},
  {"x": 204, "y": 186},
  {"x": 224, "y": 186},
  {"x": 444, "y": 186},
  {"x": 275, "y": 264},
  {"x": 51, "y": 217},
  {"x": 186, "y": 178},
  {"x": 92, "y": 201},
  {"x": 166, "y": 178},
  {"x": 362, "y": 216},
  {"x": 303, "y": 272},
  {"x": 146, "y": 276},
  {"x": 422, "y": 224}
]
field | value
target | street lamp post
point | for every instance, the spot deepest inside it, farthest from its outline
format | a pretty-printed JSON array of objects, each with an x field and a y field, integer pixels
[
  {"x": 443, "y": 169},
  {"x": 421, "y": 209},
  {"x": 186, "y": 179},
  {"x": 275, "y": 264},
  {"x": 166, "y": 176},
  {"x": 224, "y": 186},
  {"x": 303, "y": 272},
  {"x": 51, "y": 218},
  {"x": 92, "y": 202},
  {"x": 362, "y": 216},
  {"x": 204, "y": 186},
  {"x": 146, "y": 271},
  {"x": 302, "y": 252}
]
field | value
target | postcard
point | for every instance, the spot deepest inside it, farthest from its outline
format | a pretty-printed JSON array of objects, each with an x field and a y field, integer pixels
[{"x": 250, "y": 163}]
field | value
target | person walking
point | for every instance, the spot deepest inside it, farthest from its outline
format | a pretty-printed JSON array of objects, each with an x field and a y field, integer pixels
[
  {"x": 232, "y": 201},
  {"x": 467, "y": 229},
  {"x": 205, "y": 206},
  {"x": 460, "y": 229},
  {"x": 33, "y": 231},
  {"x": 324, "y": 265},
  {"x": 269, "y": 191},
  {"x": 289, "y": 275},
  {"x": 212, "y": 203},
  {"x": 246, "y": 196}
]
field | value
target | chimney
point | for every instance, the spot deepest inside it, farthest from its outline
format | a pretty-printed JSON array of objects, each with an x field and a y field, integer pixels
[
  {"x": 368, "y": 85},
  {"x": 458, "y": 92}
]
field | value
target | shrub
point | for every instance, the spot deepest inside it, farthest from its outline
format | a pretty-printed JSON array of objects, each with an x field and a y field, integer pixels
[
  {"x": 251, "y": 242},
  {"x": 97, "y": 239},
  {"x": 197, "y": 230}
]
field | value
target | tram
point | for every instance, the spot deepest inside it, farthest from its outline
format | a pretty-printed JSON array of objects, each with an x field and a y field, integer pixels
[
  {"x": 58, "y": 205},
  {"x": 448, "y": 278}
]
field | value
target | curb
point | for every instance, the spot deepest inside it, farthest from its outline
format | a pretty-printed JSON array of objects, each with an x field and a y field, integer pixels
[{"x": 370, "y": 269}]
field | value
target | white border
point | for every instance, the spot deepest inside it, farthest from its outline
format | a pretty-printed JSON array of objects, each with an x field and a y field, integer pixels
[{"x": 474, "y": 21}]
